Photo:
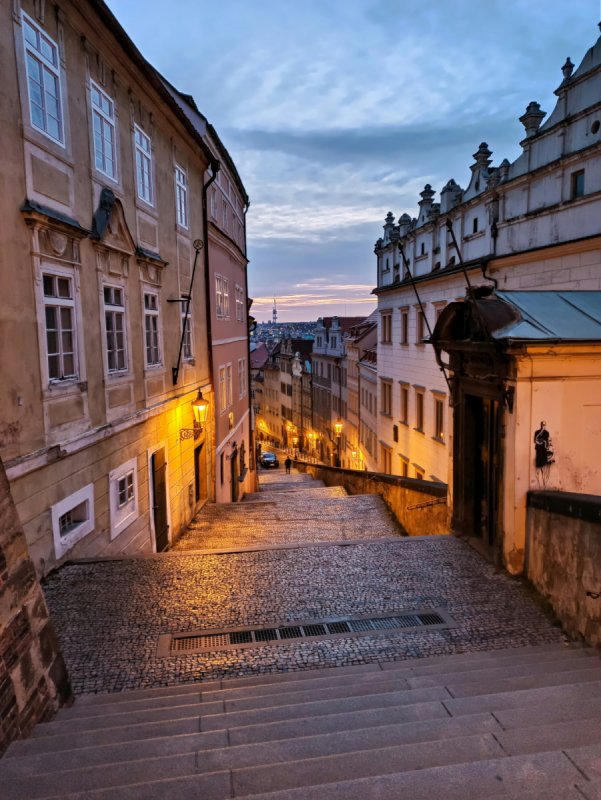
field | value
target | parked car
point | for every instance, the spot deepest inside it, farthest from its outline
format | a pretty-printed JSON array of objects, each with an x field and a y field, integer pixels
[{"x": 269, "y": 460}]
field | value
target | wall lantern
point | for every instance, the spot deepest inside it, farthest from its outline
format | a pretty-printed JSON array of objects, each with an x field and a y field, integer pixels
[
  {"x": 200, "y": 409},
  {"x": 338, "y": 427}
]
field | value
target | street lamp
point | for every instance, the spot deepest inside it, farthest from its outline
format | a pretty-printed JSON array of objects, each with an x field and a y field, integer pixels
[
  {"x": 200, "y": 408},
  {"x": 338, "y": 430}
]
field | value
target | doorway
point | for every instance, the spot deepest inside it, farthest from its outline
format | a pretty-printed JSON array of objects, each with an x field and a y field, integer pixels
[
  {"x": 200, "y": 479},
  {"x": 476, "y": 470},
  {"x": 234, "y": 474},
  {"x": 158, "y": 470}
]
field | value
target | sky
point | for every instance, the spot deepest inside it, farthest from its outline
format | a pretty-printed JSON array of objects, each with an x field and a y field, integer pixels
[{"x": 336, "y": 112}]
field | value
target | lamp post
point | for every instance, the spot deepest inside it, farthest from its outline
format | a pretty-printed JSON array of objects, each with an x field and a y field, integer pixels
[{"x": 338, "y": 430}]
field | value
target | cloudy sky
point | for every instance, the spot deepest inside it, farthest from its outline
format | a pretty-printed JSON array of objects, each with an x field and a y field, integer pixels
[{"x": 337, "y": 112}]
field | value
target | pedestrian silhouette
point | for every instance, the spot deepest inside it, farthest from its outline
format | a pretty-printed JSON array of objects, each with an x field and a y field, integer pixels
[{"x": 288, "y": 464}]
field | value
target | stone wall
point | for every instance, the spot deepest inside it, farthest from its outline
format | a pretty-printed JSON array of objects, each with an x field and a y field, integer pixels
[
  {"x": 563, "y": 558},
  {"x": 420, "y": 507},
  {"x": 33, "y": 678}
]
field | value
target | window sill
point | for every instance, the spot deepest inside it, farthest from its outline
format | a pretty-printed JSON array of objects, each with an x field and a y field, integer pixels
[
  {"x": 438, "y": 440},
  {"x": 419, "y": 430}
]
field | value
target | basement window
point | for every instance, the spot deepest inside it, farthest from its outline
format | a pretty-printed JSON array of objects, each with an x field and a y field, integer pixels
[{"x": 72, "y": 519}]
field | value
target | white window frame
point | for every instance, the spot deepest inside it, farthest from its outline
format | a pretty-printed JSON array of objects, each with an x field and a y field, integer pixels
[
  {"x": 219, "y": 295},
  {"x": 83, "y": 497},
  {"x": 143, "y": 165},
  {"x": 115, "y": 311},
  {"x": 60, "y": 303},
  {"x": 222, "y": 391},
  {"x": 152, "y": 326},
  {"x": 106, "y": 122},
  {"x": 187, "y": 339},
  {"x": 242, "y": 382},
  {"x": 228, "y": 385},
  {"x": 123, "y": 513},
  {"x": 46, "y": 66},
  {"x": 239, "y": 303},
  {"x": 226, "y": 298},
  {"x": 181, "y": 196}
]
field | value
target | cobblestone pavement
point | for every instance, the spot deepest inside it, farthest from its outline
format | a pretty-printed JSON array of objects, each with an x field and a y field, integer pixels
[{"x": 109, "y": 614}]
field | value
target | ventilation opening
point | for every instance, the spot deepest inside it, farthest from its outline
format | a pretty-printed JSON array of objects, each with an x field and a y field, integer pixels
[{"x": 203, "y": 641}]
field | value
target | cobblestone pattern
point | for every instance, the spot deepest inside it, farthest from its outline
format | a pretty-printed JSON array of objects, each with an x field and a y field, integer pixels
[{"x": 109, "y": 614}]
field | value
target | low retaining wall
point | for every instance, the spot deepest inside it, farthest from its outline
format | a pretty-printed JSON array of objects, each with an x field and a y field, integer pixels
[
  {"x": 420, "y": 507},
  {"x": 33, "y": 678},
  {"x": 563, "y": 558}
]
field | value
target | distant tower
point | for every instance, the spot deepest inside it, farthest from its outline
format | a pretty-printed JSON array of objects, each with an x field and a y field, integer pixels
[{"x": 274, "y": 316}]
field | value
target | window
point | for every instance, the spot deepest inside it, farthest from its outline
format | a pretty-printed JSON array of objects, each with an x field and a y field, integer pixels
[
  {"x": 214, "y": 203},
  {"x": 123, "y": 496},
  {"x": 239, "y": 304},
  {"x": 475, "y": 225},
  {"x": 419, "y": 473},
  {"x": 386, "y": 399},
  {"x": 226, "y": 297},
  {"x": 43, "y": 81},
  {"x": 405, "y": 405},
  {"x": 59, "y": 312},
  {"x": 219, "y": 295},
  {"x": 151, "y": 328},
  {"x": 419, "y": 410},
  {"x": 386, "y": 327},
  {"x": 404, "y": 467},
  {"x": 226, "y": 222},
  {"x": 439, "y": 419},
  {"x": 187, "y": 351},
  {"x": 222, "y": 391},
  {"x": 422, "y": 249},
  {"x": 143, "y": 165},
  {"x": 228, "y": 384},
  {"x": 114, "y": 318},
  {"x": 577, "y": 189},
  {"x": 242, "y": 375},
  {"x": 386, "y": 459},
  {"x": 404, "y": 326},
  {"x": 103, "y": 127},
  {"x": 421, "y": 327},
  {"x": 181, "y": 196},
  {"x": 72, "y": 519}
]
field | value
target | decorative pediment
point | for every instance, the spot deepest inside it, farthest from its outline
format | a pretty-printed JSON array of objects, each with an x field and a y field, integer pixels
[
  {"x": 55, "y": 235},
  {"x": 109, "y": 225}
]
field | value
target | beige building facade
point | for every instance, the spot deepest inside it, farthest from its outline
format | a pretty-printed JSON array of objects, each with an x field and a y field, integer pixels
[{"x": 103, "y": 198}]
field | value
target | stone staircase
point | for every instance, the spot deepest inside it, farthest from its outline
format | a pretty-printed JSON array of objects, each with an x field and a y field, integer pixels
[
  {"x": 289, "y": 510},
  {"x": 522, "y": 723}
]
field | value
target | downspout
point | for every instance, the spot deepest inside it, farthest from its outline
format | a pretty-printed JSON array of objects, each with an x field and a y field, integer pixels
[{"x": 214, "y": 167}]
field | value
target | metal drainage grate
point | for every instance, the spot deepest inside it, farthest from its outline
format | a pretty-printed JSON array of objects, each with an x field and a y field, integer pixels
[{"x": 200, "y": 641}]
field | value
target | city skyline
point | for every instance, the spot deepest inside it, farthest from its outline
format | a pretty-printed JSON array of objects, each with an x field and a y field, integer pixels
[{"x": 393, "y": 96}]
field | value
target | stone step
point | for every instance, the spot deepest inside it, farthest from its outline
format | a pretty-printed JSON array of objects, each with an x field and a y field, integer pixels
[
  {"x": 547, "y": 776},
  {"x": 500, "y": 701},
  {"x": 264, "y": 684},
  {"x": 480, "y": 670},
  {"x": 124, "y": 733},
  {"x": 556, "y": 736},
  {"x": 592, "y": 674},
  {"x": 360, "y": 764},
  {"x": 252, "y": 716},
  {"x": 562, "y": 709},
  {"x": 117, "y": 719},
  {"x": 303, "y": 745}
]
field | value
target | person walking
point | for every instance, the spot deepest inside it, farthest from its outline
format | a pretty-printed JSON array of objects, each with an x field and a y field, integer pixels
[{"x": 288, "y": 464}]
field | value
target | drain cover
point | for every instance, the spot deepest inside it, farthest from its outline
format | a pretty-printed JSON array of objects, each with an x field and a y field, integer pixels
[{"x": 204, "y": 641}]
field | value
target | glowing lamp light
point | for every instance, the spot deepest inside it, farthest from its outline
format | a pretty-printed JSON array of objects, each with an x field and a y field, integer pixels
[
  {"x": 200, "y": 409},
  {"x": 338, "y": 427}
]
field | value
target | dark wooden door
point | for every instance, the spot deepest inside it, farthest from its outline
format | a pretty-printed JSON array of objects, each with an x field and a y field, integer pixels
[
  {"x": 159, "y": 499},
  {"x": 199, "y": 475},
  {"x": 234, "y": 475},
  {"x": 476, "y": 470}
]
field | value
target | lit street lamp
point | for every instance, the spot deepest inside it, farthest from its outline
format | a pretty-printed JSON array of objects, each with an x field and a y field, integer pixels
[{"x": 338, "y": 431}]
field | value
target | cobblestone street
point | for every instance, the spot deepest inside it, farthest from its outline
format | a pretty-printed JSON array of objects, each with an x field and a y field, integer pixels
[{"x": 297, "y": 551}]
